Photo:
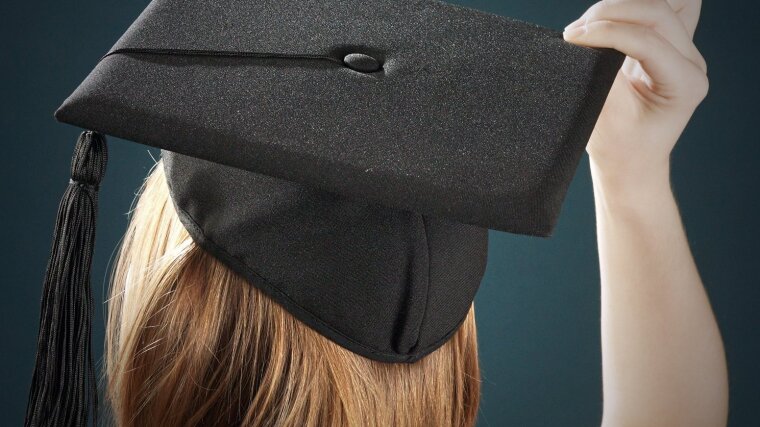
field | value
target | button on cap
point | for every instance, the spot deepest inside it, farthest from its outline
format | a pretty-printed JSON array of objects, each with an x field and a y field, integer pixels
[{"x": 361, "y": 62}]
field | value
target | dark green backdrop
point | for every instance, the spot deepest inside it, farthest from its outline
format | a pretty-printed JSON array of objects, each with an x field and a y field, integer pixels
[{"x": 538, "y": 307}]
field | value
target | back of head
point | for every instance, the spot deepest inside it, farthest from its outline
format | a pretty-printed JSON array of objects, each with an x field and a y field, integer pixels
[{"x": 189, "y": 342}]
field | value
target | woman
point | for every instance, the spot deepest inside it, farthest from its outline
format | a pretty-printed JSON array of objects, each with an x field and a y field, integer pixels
[{"x": 183, "y": 352}]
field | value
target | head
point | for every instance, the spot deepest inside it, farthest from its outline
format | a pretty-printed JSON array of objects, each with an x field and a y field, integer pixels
[{"x": 190, "y": 342}]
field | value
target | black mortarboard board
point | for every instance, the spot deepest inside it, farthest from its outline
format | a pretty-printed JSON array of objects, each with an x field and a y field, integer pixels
[{"x": 346, "y": 157}]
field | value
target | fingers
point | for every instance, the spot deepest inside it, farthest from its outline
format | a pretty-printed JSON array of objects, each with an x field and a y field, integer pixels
[
  {"x": 655, "y": 14},
  {"x": 665, "y": 66},
  {"x": 688, "y": 13}
]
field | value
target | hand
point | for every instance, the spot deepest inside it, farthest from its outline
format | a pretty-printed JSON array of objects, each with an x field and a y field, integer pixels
[{"x": 662, "y": 81}]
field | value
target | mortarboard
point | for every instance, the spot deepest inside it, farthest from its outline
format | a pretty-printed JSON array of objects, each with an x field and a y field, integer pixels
[{"x": 345, "y": 157}]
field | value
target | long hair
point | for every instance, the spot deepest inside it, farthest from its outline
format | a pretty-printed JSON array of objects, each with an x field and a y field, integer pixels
[{"x": 189, "y": 342}]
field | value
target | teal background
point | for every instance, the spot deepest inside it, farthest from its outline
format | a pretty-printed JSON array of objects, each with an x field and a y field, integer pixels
[{"x": 538, "y": 307}]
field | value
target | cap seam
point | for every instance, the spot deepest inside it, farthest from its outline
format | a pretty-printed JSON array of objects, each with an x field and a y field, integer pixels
[
  {"x": 427, "y": 285},
  {"x": 219, "y": 53}
]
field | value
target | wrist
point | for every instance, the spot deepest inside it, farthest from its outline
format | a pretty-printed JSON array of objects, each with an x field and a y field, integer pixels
[{"x": 630, "y": 193}]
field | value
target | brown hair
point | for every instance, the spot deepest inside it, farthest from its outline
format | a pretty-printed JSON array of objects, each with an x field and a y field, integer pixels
[{"x": 189, "y": 342}]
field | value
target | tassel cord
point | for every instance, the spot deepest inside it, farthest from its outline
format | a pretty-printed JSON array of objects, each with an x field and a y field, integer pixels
[{"x": 63, "y": 383}]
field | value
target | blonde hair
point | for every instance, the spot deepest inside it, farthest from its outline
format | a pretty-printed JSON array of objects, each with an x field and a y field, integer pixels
[{"x": 189, "y": 342}]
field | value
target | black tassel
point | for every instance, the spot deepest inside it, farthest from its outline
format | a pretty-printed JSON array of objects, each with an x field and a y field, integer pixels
[{"x": 64, "y": 384}]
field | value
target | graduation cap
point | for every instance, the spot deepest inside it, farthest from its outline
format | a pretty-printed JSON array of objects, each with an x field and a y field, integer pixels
[{"x": 346, "y": 157}]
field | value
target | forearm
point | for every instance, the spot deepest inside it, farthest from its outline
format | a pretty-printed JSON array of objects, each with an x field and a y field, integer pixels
[{"x": 662, "y": 354}]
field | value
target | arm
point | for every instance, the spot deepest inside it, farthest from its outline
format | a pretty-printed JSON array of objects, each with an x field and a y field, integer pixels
[
  {"x": 662, "y": 354},
  {"x": 663, "y": 361}
]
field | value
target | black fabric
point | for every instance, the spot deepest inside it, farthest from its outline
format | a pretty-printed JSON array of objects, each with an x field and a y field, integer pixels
[
  {"x": 474, "y": 117},
  {"x": 391, "y": 285},
  {"x": 347, "y": 157}
]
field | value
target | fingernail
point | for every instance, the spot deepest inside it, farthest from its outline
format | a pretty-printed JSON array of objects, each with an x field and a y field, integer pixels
[
  {"x": 575, "y": 23},
  {"x": 574, "y": 31}
]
